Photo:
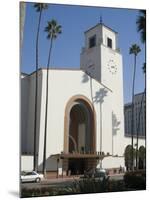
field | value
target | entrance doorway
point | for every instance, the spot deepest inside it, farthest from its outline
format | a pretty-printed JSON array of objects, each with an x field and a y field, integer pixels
[
  {"x": 77, "y": 166},
  {"x": 80, "y": 128},
  {"x": 79, "y": 135}
]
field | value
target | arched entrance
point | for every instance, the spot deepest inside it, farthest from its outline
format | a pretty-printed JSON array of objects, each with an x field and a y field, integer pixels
[
  {"x": 79, "y": 134},
  {"x": 80, "y": 131}
]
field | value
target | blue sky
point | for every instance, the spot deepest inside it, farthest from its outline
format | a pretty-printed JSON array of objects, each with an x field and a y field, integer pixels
[{"x": 75, "y": 20}]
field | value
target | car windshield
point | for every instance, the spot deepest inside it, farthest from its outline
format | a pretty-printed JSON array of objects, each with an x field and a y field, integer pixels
[
  {"x": 23, "y": 173},
  {"x": 28, "y": 173},
  {"x": 33, "y": 173}
]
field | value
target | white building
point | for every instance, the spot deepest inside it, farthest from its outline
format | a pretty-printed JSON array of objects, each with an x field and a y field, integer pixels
[{"x": 85, "y": 110}]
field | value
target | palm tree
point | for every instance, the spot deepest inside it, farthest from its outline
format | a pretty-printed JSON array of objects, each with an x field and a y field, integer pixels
[
  {"x": 22, "y": 21},
  {"x": 39, "y": 8},
  {"x": 52, "y": 29},
  {"x": 141, "y": 28},
  {"x": 128, "y": 157},
  {"x": 141, "y": 106},
  {"x": 134, "y": 49},
  {"x": 141, "y": 24}
]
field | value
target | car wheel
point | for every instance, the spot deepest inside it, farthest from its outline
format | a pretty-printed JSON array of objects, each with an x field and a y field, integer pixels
[{"x": 37, "y": 180}]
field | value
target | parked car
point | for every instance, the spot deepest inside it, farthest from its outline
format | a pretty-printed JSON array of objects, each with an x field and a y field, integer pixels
[
  {"x": 31, "y": 176},
  {"x": 96, "y": 173}
]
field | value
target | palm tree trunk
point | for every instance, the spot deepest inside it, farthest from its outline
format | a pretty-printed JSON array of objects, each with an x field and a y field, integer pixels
[
  {"x": 36, "y": 95},
  {"x": 101, "y": 132},
  {"x": 132, "y": 118},
  {"x": 46, "y": 109}
]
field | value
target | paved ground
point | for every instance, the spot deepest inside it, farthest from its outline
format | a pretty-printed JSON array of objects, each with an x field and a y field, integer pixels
[{"x": 61, "y": 182}]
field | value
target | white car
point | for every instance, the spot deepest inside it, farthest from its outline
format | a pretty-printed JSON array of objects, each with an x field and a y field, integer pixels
[{"x": 31, "y": 176}]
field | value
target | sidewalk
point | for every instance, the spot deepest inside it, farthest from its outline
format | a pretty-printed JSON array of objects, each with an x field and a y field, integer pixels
[{"x": 60, "y": 179}]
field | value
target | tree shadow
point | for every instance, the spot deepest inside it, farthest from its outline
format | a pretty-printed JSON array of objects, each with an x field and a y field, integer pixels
[
  {"x": 115, "y": 124},
  {"x": 51, "y": 163},
  {"x": 85, "y": 78},
  {"x": 100, "y": 95},
  {"x": 99, "y": 98},
  {"x": 115, "y": 128}
]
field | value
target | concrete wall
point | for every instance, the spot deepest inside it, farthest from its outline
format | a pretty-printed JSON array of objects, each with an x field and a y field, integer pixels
[
  {"x": 109, "y": 108},
  {"x": 26, "y": 163},
  {"x": 28, "y": 111},
  {"x": 139, "y": 123},
  {"x": 90, "y": 62},
  {"x": 97, "y": 30},
  {"x": 127, "y": 141},
  {"x": 107, "y": 33},
  {"x": 25, "y": 87},
  {"x": 59, "y": 95}
]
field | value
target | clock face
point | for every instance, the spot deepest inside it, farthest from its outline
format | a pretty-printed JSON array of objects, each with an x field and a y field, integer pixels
[{"x": 112, "y": 67}]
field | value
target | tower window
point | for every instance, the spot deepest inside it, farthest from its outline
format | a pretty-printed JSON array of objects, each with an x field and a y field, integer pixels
[
  {"x": 92, "y": 41},
  {"x": 109, "y": 42}
]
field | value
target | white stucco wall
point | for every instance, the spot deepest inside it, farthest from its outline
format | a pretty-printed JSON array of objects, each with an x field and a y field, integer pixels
[
  {"x": 26, "y": 163},
  {"x": 127, "y": 141},
  {"x": 107, "y": 33},
  {"x": 60, "y": 92},
  {"x": 59, "y": 95}
]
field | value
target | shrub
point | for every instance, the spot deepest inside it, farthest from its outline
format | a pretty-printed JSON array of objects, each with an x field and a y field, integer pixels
[
  {"x": 135, "y": 180},
  {"x": 88, "y": 185}
]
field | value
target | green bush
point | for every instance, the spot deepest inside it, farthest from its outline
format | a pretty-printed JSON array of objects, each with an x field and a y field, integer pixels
[
  {"x": 135, "y": 180},
  {"x": 36, "y": 192},
  {"x": 88, "y": 185},
  {"x": 132, "y": 181},
  {"x": 116, "y": 186}
]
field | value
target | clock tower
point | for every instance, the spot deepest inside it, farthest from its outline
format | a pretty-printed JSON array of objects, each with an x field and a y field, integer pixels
[{"x": 101, "y": 58}]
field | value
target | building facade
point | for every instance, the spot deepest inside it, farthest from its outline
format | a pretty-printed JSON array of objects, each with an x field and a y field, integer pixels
[
  {"x": 85, "y": 126},
  {"x": 139, "y": 113}
]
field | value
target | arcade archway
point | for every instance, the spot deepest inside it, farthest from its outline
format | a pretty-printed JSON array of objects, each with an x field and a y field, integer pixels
[{"x": 79, "y": 135}]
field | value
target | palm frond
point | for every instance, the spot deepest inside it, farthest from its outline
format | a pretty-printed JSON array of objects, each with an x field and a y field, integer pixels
[
  {"x": 52, "y": 29},
  {"x": 40, "y": 6},
  {"x": 144, "y": 68},
  {"x": 141, "y": 24},
  {"x": 134, "y": 49}
]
